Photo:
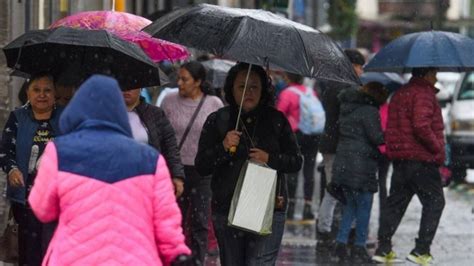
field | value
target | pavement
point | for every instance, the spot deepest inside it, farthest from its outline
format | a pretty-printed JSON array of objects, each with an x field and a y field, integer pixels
[{"x": 453, "y": 244}]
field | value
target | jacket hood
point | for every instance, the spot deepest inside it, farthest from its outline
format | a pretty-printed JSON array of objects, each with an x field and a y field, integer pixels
[
  {"x": 353, "y": 99},
  {"x": 97, "y": 103}
]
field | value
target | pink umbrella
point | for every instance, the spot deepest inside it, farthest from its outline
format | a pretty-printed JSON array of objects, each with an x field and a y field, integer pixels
[{"x": 128, "y": 27}]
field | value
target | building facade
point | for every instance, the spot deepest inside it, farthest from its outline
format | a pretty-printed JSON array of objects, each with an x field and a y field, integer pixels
[{"x": 384, "y": 20}]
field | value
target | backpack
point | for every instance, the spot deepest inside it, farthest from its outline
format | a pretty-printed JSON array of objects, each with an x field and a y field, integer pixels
[{"x": 312, "y": 116}]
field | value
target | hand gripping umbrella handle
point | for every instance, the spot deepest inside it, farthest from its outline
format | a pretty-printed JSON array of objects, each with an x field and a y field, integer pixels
[{"x": 233, "y": 149}]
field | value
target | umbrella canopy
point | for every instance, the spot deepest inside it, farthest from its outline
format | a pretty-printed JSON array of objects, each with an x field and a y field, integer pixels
[
  {"x": 128, "y": 27},
  {"x": 256, "y": 37},
  {"x": 448, "y": 51},
  {"x": 89, "y": 51},
  {"x": 391, "y": 81},
  {"x": 217, "y": 71}
]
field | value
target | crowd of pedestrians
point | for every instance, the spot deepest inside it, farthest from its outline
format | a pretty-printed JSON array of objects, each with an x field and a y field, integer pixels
[
  {"x": 111, "y": 172},
  {"x": 365, "y": 132}
]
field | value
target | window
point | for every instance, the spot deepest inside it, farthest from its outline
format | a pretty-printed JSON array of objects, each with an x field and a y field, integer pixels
[{"x": 466, "y": 92}]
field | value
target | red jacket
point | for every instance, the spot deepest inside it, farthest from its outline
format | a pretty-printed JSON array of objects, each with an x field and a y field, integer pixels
[{"x": 415, "y": 125}]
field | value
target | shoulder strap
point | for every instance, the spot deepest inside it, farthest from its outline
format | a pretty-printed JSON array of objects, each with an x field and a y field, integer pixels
[
  {"x": 300, "y": 93},
  {"x": 190, "y": 123},
  {"x": 295, "y": 90}
]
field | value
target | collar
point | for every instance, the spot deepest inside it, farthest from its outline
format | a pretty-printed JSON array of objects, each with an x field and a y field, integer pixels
[{"x": 423, "y": 83}]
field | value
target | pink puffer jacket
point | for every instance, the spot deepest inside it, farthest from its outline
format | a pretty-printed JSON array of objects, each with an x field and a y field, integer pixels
[
  {"x": 132, "y": 222},
  {"x": 289, "y": 104}
]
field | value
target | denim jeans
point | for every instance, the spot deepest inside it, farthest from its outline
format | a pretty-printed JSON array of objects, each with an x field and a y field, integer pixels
[
  {"x": 358, "y": 207},
  {"x": 237, "y": 247}
]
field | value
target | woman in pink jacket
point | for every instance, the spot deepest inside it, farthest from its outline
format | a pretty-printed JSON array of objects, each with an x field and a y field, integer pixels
[
  {"x": 290, "y": 104},
  {"x": 113, "y": 196}
]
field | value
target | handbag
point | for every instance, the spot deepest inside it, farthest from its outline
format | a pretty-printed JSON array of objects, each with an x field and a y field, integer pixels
[
  {"x": 9, "y": 241},
  {"x": 253, "y": 201}
]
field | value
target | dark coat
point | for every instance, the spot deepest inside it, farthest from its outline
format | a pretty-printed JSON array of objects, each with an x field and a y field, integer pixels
[
  {"x": 161, "y": 136},
  {"x": 415, "y": 124},
  {"x": 331, "y": 104},
  {"x": 355, "y": 164},
  {"x": 271, "y": 132}
]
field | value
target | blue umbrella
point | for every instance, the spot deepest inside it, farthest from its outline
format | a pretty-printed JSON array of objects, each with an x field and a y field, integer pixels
[
  {"x": 391, "y": 81},
  {"x": 447, "y": 51}
]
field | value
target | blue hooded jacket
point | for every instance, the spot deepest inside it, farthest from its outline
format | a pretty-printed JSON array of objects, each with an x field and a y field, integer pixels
[{"x": 97, "y": 139}]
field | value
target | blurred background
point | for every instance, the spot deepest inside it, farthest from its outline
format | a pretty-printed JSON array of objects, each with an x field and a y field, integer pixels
[{"x": 365, "y": 24}]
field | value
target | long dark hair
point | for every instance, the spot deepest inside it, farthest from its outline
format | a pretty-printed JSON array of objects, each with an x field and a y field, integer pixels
[
  {"x": 265, "y": 99},
  {"x": 198, "y": 72}
]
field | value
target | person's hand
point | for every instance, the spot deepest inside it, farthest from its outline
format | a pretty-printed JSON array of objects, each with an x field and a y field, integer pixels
[
  {"x": 232, "y": 139},
  {"x": 15, "y": 177},
  {"x": 178, "y": 187},
  {"x": 258, "y": 156}
]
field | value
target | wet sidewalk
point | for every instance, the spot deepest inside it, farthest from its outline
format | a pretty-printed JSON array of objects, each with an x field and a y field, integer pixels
[{"x": 453, "y": 244}]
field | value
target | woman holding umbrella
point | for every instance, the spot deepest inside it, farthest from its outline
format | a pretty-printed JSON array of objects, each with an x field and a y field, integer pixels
[
  {"x": 264, "y": 137},
  {"x": 24, "y": 139}
]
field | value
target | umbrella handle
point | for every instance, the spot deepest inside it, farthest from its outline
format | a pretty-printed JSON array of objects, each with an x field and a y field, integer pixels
[
  {"x": 233, "y": 149},
  {"x": 19, "y": 55}
]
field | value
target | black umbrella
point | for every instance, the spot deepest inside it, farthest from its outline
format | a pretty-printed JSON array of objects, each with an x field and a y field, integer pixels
[
  {"x": 217, "y": 71},
  {"x": 256, "y": 37},
  {"x": 88, "y": 51}
]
